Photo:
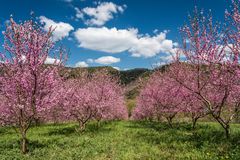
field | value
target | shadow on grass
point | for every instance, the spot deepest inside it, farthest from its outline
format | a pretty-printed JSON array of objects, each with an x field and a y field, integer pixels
[
  {"x": 61, "y": 131},
  {"x": 16, "y": 143},
  {"x": 34, "y": 144},
  {"x": 90, "y": 128},
  {"x": 163, "y": 126},
  {"x": 183, "y": 133},
  {"x": 95, "y": 128},
  {"x": 7, "y": 130},
  {"x": 203, "y": 132},
  {"x": 157, "y": 126}
]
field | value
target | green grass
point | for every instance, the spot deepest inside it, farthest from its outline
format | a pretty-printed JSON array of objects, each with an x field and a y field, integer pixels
[{"x": 123, "y": 140}]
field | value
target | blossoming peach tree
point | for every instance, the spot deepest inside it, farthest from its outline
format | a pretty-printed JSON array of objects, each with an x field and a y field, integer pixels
[
  {"x": 95, "y": 96},
  {"x": 204, "y": 74},
  {"x": 161, "y": 97},
  {"x": 26, "y": 83},
  {"x": 211, "y": 68}
]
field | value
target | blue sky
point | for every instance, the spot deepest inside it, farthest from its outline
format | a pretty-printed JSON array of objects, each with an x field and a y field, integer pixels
[{"x": 120, "y": 33}]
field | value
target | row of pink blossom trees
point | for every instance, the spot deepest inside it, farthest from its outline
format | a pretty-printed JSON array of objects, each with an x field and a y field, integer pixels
[
  {"x": 162, "y": 96},
  {"x": 204, "y": 77},
  {"x": 96, "y": 96},
  {"x": 32, "y": 91}
]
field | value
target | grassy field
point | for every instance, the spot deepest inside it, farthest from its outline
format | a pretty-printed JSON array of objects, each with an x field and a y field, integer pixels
[{"x": 123, "y": 140}]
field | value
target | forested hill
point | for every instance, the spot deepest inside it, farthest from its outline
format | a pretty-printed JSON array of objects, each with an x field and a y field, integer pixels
[{"x": 126, "y": 77}]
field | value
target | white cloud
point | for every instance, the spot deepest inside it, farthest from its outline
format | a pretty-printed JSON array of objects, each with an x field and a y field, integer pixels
[
  {"x": 163, "y": 60},
  {"x": 106, "y": 60},
  {"x": 50, "y": 60},
  {"x": 79, "y": 13},
  {"x": 113, "y": 40},
  {"x": 167, "y": 58},
  {"x": 106, "y": 40},
  {"x": 81, "y": 64},
  {"x": 100, "y": 15},
  {"x": 90, "y": 60},
  {"x": 117, "y": 68},
  {"x": 175, "y": 44},
  {"x": 159, "y": 64},
  {"x": 61, "y": 31},
  {"x": 149, "y": 46}
]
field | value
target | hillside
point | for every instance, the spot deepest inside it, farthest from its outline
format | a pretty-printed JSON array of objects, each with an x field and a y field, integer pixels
[{"x": 126, "y": 77}]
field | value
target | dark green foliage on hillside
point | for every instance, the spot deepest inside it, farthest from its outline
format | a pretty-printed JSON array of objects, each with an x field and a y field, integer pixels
[
  {"x": 69, "y": 72},
  {"x": 133, "y": 74},
  {"x": 132, "y": 93},
  {"x": 125, "y": 77}
]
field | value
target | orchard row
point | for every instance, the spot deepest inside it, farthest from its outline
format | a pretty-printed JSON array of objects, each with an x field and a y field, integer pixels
[{"x": 203, "y": 79}]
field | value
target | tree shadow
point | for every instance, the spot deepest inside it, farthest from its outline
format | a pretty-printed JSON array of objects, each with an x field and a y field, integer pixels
[
  {"x": 16, "y": 143},
  {"x": 3, "y": 130},
  {"x": 146, "y": 124},
  {"x": 163, "y": 126},
  {"x": 70, "y": 130},
  {"x": 212, "y": 141},
  {"x": 61, "y": 131},
  {"x": 157, "y": 126},
  {"x": 7, "y": 130},
  {"x": 95, "y": 128},
  {"x": 35, "y": 144},
  {"x": 183, "y": 133},
  {"x": 10, "y": 144}
]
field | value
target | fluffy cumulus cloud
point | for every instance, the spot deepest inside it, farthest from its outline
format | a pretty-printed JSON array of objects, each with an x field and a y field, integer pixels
[
  {"x": 147, "y": 46},
  {"x": 61, "y": 31},
  {"x": 106, "y": 40},
  {"x": 103, "y": 12},
  {"x": 113, "y": 40},
  {"x": 81, "y": 64},
  {"x": 106, "y": 60}
]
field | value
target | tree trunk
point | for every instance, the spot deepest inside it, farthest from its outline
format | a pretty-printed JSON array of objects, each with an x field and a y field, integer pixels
[
  {"x": 98, "y": 123},
  {"x": 227, "y": 131},
  {"x": 36, "y": 121},
  {"x": 194, "y": 122},
  {"x": 81, "y": 126},
  {"x": 225, "y": 126},
  {"x": 169, "y": 120},
  {"x": 150, "y": 119},
  {"x": 237, "y": 114},
  {"x": 159, "y": 118},
  {"x": 24, "y": 142}
]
